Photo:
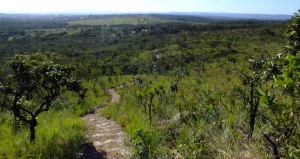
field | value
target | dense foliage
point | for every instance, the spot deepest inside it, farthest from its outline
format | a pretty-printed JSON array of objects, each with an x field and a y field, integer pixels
[
  {"x": 33, "y": 85},
  {"x": 192, "y": 87}
]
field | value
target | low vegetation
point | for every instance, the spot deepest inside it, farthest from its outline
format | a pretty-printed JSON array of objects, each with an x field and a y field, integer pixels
[{"x": 226, "y": 89}]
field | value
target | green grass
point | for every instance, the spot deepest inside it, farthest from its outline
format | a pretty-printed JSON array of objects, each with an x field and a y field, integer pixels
[
  {"x": 129, "y": 20},
  {"x": 136, "y": 125},
  {"x": 119, "y": 20},
  {"x": 59, "y": 135},
  {"x": 45, "y": 32},
  {"x": 215, "y": 133},
  {"x": 131, "y": 116},
  {"x": 59, "y": 132},
  {"x": 214, "y": 124}
]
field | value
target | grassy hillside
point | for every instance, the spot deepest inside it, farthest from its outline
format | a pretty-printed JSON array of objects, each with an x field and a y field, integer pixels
[
  {"x": 137, "y": 20},
  {"x": 130, "y": 20},
  {"x": 189, "y": 88}
]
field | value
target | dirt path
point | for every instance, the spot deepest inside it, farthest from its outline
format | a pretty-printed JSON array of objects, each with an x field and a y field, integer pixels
[
  {"x": 107, "y": 139},
  {"x": 115, "y": 97}
]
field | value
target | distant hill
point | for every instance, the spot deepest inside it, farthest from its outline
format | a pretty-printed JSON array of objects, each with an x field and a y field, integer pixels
[
  {"x": 235, "y": 15},
  {"x": 208, "y": 15}
]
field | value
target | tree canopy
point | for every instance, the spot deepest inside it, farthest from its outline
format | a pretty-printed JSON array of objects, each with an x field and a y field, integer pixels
[{"x": 32, "y": 84}]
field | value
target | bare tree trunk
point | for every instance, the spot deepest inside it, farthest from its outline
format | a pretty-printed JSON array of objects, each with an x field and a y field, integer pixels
[
  {"x": 33, "y": 124},
  {"x": 145, "y": 108},
  {"x": 150, "y": 108},
  {"x": 251, "y": 123},
  {"x": 150, "y": 115},
  {"x": 253, "y": 110},
  {"x": 276, "y": 154}
]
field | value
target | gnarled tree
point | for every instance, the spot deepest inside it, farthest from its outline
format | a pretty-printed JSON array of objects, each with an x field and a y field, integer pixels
[{"x": 33, "y": 83}]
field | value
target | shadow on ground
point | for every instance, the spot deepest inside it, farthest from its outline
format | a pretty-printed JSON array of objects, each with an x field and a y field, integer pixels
[{"x": 89, "y": 152}]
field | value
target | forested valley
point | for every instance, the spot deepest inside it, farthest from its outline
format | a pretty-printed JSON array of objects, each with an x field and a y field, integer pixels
[{"x": 189, "y": 86}]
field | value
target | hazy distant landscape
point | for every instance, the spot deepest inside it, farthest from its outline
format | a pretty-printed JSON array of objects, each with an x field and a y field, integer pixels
[{"x": 212, "y": 15}]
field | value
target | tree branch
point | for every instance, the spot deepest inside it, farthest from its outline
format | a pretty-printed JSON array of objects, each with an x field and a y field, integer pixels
[
  {"x": 47, "y": 103},
  {"x": 25, "y": 110},
  {"x": 48, "y": 100}
]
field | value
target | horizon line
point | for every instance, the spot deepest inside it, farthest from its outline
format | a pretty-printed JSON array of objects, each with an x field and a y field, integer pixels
[{"x": 94, "y": 12}]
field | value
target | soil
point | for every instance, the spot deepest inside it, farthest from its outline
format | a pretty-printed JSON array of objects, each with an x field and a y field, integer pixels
[{"x": 107, "y": 139}]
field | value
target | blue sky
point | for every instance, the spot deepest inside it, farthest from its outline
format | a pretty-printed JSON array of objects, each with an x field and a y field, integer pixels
[{"x": 228, "y": 6}]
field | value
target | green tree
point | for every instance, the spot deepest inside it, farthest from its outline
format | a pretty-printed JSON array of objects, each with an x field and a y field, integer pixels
[
  {"x": 281, "y": 96},
  {"x": 252, "y": 79},
  {"x": 33, "y": 83}
]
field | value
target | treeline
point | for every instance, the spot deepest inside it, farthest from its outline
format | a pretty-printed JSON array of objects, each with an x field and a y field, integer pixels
[{"x": 125, "y": 43}]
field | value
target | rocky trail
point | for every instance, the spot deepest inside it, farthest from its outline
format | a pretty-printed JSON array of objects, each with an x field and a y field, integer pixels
[{"x": 106, "y": 138}]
